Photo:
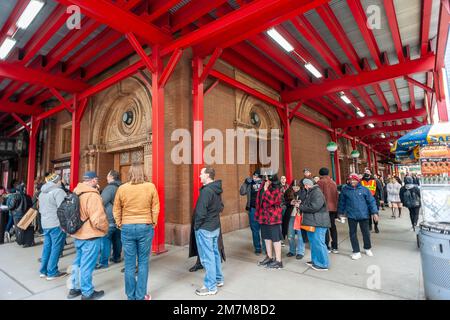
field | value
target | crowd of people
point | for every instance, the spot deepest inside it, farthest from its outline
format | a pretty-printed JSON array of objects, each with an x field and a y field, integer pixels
[{"x": 122, "y": 217}]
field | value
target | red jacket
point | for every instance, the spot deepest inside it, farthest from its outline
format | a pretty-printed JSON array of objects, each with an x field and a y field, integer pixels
[
  {"x": 268, "y": 209},
  {"x": 329, "y": 190}
]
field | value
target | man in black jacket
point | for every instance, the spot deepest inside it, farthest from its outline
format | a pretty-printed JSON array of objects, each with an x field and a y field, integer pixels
[{"x": 207, "y": 229}]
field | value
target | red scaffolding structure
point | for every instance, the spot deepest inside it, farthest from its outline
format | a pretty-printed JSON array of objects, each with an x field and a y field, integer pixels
[{"x": 235, "y": 32}]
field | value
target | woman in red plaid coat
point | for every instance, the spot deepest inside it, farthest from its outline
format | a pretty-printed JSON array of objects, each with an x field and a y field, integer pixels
[{"x": 269, "y": 215}]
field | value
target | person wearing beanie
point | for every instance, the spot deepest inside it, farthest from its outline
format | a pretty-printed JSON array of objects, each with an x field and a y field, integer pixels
[
  {"x": 250, "y": 188},
  {"x": 50, "y": 198},
  {"x": 359, "y": 205},
  {"x": 410, "y": 197},
  {"x": 329, "y": 190},
  {"x": 317, "y": 220}
]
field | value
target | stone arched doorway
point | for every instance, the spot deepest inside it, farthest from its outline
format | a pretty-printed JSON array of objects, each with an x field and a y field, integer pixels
[
  {"x": 251, "y": 113},
  {"x": 121, "y": 129}
]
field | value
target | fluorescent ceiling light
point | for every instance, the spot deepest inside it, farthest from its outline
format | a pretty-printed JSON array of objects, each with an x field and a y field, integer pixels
[
  {"x": 345, "y": 99},
  {"x": 371, "y": 125},
  {"x": 360, "y": 113},
  {"x": 275, "y": 35},
  {"x": 383, "y": 136},
  {"x": 316, "y": 73},
  {"x": 30, "y": 12},
  {"x": 6, "y": 47}
]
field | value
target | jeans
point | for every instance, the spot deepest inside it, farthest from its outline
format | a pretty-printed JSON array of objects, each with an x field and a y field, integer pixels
[
  {"x": 208, "y": 250},
  {"x": 111, "y": 238},
  {"x": 364, "y": 226},
  {"x": 319, "y": 252},
  {"x": 333, "y": 231},
  {"x": 84, "y": 264},
  {"x": 300, "y": 245},
  {"x": 414, "y": 215},
  {"x": 137, "y": 245},
  {"x": 54, "y": 239},
  {"x": 256, "y": 231},
  {"x": 10, "y": 223}
]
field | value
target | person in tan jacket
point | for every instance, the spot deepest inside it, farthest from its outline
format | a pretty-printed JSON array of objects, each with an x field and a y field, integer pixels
[
  {"x": 88, "y": 238},
  {"x": 136, "y": 210}
]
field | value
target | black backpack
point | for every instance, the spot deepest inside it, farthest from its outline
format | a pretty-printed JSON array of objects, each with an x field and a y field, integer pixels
[
  {"x": 69, "y": 213},
  {"x": 411, "y": 199}
]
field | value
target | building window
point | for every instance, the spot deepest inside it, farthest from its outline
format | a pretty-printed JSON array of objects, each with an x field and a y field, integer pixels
[
  {"x": 66, "y": 140},
  {"x": 255, "y": 119}
]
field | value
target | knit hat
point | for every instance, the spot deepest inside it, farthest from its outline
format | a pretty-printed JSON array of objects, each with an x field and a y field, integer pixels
[
  {"x": 308, "y": 182},
  {"x": 354, "y": 176},
  {"x": 408, "y": 180},
  {"x": 324, "y": 171},
  {"x": 53, "y": 177}
]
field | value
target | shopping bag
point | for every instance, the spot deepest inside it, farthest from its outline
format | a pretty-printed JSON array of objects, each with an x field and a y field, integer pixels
[
  {"x": 298, "y": 222},
  {"x": 27, "y": 219}
]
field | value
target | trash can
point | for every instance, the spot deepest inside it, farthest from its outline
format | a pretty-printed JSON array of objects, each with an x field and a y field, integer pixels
[{"x": 434, "y": 238}]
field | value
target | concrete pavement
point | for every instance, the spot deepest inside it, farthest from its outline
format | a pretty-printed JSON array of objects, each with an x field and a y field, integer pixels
[{"x": 393, "y": 273}]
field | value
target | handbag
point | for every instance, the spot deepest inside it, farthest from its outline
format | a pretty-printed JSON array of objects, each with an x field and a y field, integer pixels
[
  {"x": 27, "y": 219},
  {"x": 298, "y": 222}
]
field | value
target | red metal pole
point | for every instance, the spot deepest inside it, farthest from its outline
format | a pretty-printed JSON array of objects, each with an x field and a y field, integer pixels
[
  {"x": 376, "y": 162},
  {"x": 197, "y": 117},
  {"x": 369, "y": 160},
  {"x": 32, "y": 155},
  {"x": 75, "y": 152},
  {"x": 337, "y": 165},
  {"x": 158, "y": 148},
  {"x": 287, "y": 145}
]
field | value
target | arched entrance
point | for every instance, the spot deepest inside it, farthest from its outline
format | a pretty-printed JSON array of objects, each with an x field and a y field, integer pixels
[{"x": 124, "y": 134}]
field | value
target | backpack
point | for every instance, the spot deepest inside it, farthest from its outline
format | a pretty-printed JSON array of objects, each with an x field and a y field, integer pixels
[
  {"x": 411, "y": 199},
  {"x": 69, "y": 213}
]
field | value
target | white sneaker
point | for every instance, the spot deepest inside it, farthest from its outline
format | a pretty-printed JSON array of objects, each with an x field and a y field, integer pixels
[
  {"x": 335, "y": 251},
  {"x": 356, "y": 256},
  {"x": 369, "y": 253}
]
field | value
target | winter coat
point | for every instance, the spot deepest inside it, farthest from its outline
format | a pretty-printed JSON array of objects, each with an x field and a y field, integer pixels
[
  {"x": 91, "y": 212},
  {"x": 136, "y": 204},
  {"x": 412, "y": 188},
  {"x": 208, "y": 207},
  {"x": 314, "y": 209},
  {"x": 50, "y": 198},
  {"x": 18, "y": 203},
  {"x": 329, "y": 190},
  {"x": 108, "y": 195},
  {"x": 358, "y": 203},
  {"x": 193, "y": 250},
  {"x": 393, "y": 192},
  {"x": 268, "y": 206},
  {"x": 246, "y": 189}
]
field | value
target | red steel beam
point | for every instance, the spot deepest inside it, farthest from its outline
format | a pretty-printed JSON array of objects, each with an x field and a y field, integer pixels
[
  {"x": 191, "y": 12},
  {"x": 377, "y": 88},
  {"x": 168, "y": 70},
  {"x": 23, "y": 74},
  {"x": 393, "y": 27},
  {"x": 363, "y": 79},
  {"x": 157, "y": 9},
  {"x": 120, "y": 19},
  {"x": 243, "y": 23},
  {"x": 325, "y": 108},
  {"x": 9, "y": 27},
  {"x": 19, "y": 120},
  {"x": 366, "y": 132},
  {"x": 419, "y": 84},
  {"x": 427, "y": 6},
  {"x": 380, "y": 118},
  {"x": 393, "y": 85},
  {"x": 20, "y": 108}
]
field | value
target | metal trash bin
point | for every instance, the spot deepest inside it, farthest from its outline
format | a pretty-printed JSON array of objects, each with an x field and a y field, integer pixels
[{"x": 434, "y": 241}]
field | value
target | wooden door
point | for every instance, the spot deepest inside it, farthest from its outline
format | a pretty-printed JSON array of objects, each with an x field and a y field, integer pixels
[{"x": 124, "y": 173}]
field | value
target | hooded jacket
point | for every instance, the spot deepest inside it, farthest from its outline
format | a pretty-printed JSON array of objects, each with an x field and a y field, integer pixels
[
  {"x": 92, "y": 212},
  {"x": 314, "y": 209},
  {"x": 108, "y": 195},
  {"x": 413, "y": 188},
  {"x": 357, "y": 202},
  {"x": 50, "y": 198},
  {"x": 19, "y": 202},
  {"x": 208, "y": 207}
]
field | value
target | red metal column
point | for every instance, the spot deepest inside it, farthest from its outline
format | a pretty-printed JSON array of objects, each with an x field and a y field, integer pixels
[
  {"x": 369, "y": 160},
  {"x": 337, "y": 165},
  {"x": 75, "y": 146},
  {"x": 287, "y": 144},
  {"x": 32, "y": 155},
  {"x": 197, "y": 117},
  {"x": 376, "y": 162},
  {"x": 158, "y": 147}
]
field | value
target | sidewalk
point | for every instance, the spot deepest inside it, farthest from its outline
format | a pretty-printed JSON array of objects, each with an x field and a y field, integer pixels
[{"x": 396, "y": 256}]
